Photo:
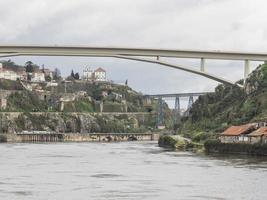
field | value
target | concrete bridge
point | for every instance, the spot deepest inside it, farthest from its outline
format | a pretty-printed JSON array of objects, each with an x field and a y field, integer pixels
[{"x": 134, "y": 53}]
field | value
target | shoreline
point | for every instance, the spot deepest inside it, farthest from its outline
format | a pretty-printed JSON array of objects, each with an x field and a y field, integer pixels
[{"x": 78, "y": 137}]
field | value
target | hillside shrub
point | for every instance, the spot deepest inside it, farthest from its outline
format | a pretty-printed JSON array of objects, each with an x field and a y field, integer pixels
[{"x": 167, "y": 141}]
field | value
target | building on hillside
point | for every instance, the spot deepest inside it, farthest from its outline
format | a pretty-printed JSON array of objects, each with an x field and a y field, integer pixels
[
  {"x": 88, "y": 74},
  {"x": 97, "y": 75},
  {"x": 22, "y": 74},
  {"x": 8, "y": 74},
  {"x": 52, "y": 83},
  {"x": 48, "y": 73},
  {"x": 38, "y": 76},
  {"x": 258, "y": 136},
  {"x": 3, "y": 103},
  {"x": 100, "y": 74},
  {"x": 237, "y": 134}
]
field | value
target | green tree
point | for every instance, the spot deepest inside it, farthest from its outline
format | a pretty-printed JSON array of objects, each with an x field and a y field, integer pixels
[
  {"x": 29, "y": 66},
  {"x": 76, "y": 76},
  {"x": 48, "y": 78},
  {"x": 72, "y": 74}
]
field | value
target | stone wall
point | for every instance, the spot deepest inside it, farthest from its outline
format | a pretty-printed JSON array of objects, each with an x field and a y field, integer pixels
[{"x": 77, "y": 137}]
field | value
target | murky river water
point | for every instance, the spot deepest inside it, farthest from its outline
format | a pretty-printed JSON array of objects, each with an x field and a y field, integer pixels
[{"x": 131, "y": 170}]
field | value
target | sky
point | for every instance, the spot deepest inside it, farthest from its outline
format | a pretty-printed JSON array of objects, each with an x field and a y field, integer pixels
[{"x": 230, "y": 25}]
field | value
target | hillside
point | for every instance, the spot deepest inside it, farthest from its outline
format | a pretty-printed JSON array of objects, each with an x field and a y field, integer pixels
[
  {"x": 230, "y": 105},
  {"x": 74, "y": 106}
]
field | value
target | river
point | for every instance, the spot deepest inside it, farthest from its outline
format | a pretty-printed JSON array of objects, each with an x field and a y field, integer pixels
[{"x": 126, "y": 170}]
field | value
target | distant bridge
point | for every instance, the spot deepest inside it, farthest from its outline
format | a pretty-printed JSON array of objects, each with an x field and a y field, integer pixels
[
  {"x": 133, "y": 53},
  {"x": 193, "y": 94},
  {"x": 177, "y": 108}
]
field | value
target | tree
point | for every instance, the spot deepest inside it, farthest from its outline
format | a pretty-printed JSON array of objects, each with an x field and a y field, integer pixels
[
  {"x": 29, "y": 66},
  {"x": 57, "y": 74},
  {"x": 48, "y": 78},
  {"x": 76, "y": 76},
  {"x": 29, "y": 77},
  {"x": 72, "y": 73},
  {"x": 43, "y": 69}
]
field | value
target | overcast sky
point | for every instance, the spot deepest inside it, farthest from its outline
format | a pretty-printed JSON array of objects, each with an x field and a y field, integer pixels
[{"x": 232, "y": 25}]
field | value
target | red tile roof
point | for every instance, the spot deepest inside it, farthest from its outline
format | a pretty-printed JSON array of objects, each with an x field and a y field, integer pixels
[
  {"x": 237, "y": 130},
  {"x": 100, "y": 70},
  {"x": 259, "y": 132}
]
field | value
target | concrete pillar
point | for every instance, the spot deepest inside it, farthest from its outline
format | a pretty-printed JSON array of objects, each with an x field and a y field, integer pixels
[
  {"x": 61, "y": 106},
  {"x": 202, "y": 65},
  {"x": 125, "y": 105},
  {"x": 246, "y": 69},
  {"x": 101, "y": 106}
]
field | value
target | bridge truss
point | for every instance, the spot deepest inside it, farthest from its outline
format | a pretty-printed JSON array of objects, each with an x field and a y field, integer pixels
[{"x": 177, "y": 109}]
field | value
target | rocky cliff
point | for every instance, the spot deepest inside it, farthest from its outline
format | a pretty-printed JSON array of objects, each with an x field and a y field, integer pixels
[{"x": 11, "y": 122}]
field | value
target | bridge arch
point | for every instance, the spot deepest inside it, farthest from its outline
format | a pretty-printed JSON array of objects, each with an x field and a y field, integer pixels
[{"x": 133, "y": 53}]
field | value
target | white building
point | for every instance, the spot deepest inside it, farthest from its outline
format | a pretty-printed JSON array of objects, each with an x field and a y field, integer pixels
[
  {"x": 48, "y": 73},
  {"x": 38, "y": 76},
  {"x": 88, "y": 74},
  {"x": 100, "y": 74},
  {"x": 8, "y": 74}
]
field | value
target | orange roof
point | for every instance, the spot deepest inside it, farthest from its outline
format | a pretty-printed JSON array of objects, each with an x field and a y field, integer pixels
[
  {"x": 237, "y": 130},
  {"x": 259, "y": 132},
  {"x": 100, "y": 70}
]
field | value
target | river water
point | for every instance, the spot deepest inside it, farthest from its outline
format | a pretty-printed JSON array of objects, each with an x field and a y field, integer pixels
[{"x": 127, "y": 170}]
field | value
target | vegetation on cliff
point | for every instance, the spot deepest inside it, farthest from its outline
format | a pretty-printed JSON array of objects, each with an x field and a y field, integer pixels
[
  {"x": 229, "y": 105},
  {"x": 10, "y": 85}
]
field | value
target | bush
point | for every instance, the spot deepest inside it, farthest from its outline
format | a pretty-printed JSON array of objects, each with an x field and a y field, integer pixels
[
  {"x": 167, "y": 141},
  {"x": 3, "y": 138},
  {"x": 202, "y": 136},
  {"x": 83, "y": 106}
]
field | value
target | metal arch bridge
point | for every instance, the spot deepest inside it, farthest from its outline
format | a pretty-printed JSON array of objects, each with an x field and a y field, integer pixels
[
  {"x": 135, "y": 53},
  {"x": 177, "y": 108}
]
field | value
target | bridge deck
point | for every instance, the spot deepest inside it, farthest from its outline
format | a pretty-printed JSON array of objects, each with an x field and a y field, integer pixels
[{"x": 100, "y": 51}]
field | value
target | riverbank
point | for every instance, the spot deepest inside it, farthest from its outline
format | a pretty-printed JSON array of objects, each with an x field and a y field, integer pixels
[
  {"x": 78, "y": 137},
  {"x": 215, "y": 146}
]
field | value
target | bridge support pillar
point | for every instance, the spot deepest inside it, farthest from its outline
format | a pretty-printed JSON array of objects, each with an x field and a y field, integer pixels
[
  {"x": 160, "y": 112},
  {"x": 202, "y": 65},
  {"x": 177, "y": 116},
  {"x": 190, "y": 102},
  {"x": 246, "y": 69}
]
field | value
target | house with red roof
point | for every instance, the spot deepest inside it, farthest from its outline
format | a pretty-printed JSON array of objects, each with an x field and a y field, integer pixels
[
  {"x": 237, "y": 134},
  {"x": 97, "y": 75},
  {"x": 258, "y": 136},
  {"x": 100, "y": 74}
]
